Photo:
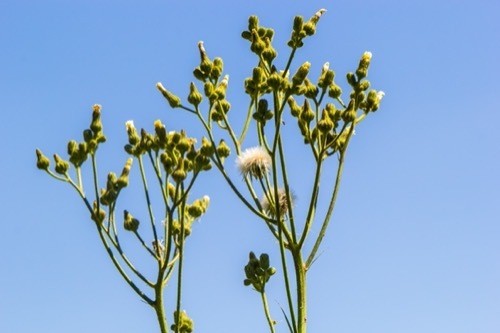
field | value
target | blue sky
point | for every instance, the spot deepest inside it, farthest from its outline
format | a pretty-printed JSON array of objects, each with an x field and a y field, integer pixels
[{"x": 414, "y": 244}]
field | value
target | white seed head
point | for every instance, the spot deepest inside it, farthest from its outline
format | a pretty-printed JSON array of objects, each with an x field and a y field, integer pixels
[{"x": 254, "y": 162}]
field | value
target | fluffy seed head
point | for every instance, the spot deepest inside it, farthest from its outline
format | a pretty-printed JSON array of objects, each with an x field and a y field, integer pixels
[{"x": 254, "y": 162}]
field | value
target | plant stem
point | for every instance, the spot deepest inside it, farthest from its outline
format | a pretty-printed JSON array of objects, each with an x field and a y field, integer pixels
[
  {"x": 266, "y": 310},
  {"x": 158, "y": 304},
  {"x": 300, "y": 276}
]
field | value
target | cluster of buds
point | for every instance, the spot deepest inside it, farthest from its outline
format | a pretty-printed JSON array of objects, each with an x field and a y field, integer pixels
[
  {"x": 258, "y": 271},
  {"x": 77, "y": 151},
  {"x": 182, "y": 323},
  {"x": 177, "y": 152},
  {"x": 360, "y": 85},
  {"x": 303, "y": 29},
  {"x": 260, "y": 39},
  {"x": 114, "y": 184},
  {"x": 208, "y": 70}
]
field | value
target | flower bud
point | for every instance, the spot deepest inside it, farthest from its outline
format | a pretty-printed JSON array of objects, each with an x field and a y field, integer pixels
[
  {"x": 199, "y": 207},
  {"x": 325, "y": 125},
  {"x": 362, "y": 70},
  {"x": 72, "y": 147},
  {"x": 307, "y": 113},
  {"x": 258, "y": 45},
  {"x": 209, "y": 90},
  {"x": 295, "y": 109},
  {"x": 351, "y": 79},
  {"x": 298, "y": 22},
  {"x": 217, "y": 68},
  {"x": 223, "y": 150},
  {"x": 349, "y": 115},
  {"x": 129, "y": 222},
  {"x": 42, "y": 162},
  {"x": 311, "y": 91},
  {"x": 334, "y": 91},
  {"x": 194, "y": 96},
  {"x": 173, "y": 100},
  {"x": 301, "y": 74},
  {"x": 62, "y": 166},
  {"x": 206, "y": 147},
  {"x": 98, "y": 216},
  {"x": 222, "y": 87},
  {"x": 179, "y": 175},
  {"x": 96, "y": 125},
  {"x": 122, "y": 181}
]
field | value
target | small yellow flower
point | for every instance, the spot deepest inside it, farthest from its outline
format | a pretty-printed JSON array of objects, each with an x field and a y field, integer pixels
[{"x": 254, "y": 162}]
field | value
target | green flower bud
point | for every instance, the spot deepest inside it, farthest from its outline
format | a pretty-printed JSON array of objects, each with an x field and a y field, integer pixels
[
  {"x": 294, "y": 107},
  {"x": 194, "y": 96},
  {"x": 217, "y": 69},
  {"x": 98, "y": 216},
  {"x": 72, "y": 147},
  {"x": 173, "y": 100},
  {"x": 87, "y": 135},
  {"x": 223, "y": 106},
  {"x": 325, "y": 125},
  {"x": 206, "y": 147},
  {"x": 171, "y": 190},
  {"x": 42, "y": 162},
  {"x": 298, "y": 22},
  {"x": 307, "y": 113},
  {"x": 179, "y": 175},
  {"x": 222, "y": 87},
  {"x": 334, "y": 91},
  {"x": 202, "y": 163},
  {"x": 311, "y": 91},
  {"x": 161, "y": 134},
  {"x": 275, "y": 81},
  {"x": 351, "y": 79},
  {"x": 309, "y": 28},
  {"x": 133, "y": 136},
  {"x": 96, "y": 125},
  {"x": 199, "y": 207},
  {"x": 182, "y": 323},
  {"x": 185, "y": 144},
  {"x": 269, "y": 54},
  {"x": 364, "y": 63},
  {"x": 223, "y": 149},
  {"x": 326, "y": 77},
  {"x": 362, "y": 86},
  {"x": 198, "y": 73},
  {"x": 122, "y": 181},
  {"x": 167, "y": 162},
  {"x": 62, "y": 166},
  {"x": 129, "y": 222},
  {"x": 253, "y": 23},
  {"x": 301, "y": 74},
  {"x": 264, "y": 261},
  {"x": 258, "y": 45},
  {"x": 349, "y": 115},
  {"x": 209, "y": 90}
]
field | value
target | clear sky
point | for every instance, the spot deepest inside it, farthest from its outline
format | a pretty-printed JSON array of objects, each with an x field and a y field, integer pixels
[{"x": 414, "y": 245}]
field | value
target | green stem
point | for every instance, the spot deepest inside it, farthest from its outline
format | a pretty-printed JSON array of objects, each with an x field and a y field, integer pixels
[
  {"x": 181, "y": 257},
  {"x": 148, "y": 200},
  {"x": 328, "y": 216},
  {"x": 300, "y": 276},
  {"x": 158, "y": 304},
  {"x": 312, "y": 204},
  {"x": 266, "y": 310}
]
